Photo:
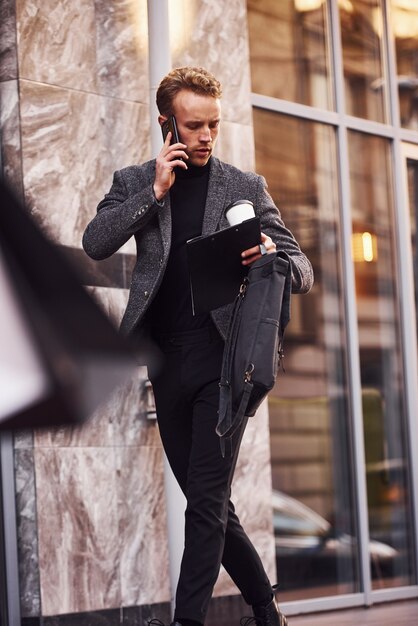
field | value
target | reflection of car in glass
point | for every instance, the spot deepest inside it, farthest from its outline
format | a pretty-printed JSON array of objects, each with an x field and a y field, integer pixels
[
  {"x": 386, "y": 495},
  {"x": 310, "y": 553}
]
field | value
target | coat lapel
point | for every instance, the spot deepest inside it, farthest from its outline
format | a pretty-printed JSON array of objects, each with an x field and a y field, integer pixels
[{"x": 215, "y": 200}]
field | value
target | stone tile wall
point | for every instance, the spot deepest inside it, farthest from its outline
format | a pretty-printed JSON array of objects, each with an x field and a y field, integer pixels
[{"x": 74, "y": 108}]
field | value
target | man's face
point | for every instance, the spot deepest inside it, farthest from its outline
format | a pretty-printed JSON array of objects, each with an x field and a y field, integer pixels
[{"x": 197, "y": 118}]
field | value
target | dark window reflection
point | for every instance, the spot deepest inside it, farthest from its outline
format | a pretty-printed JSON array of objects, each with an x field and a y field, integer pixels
[
  {"x": 384, "y": 418},
  {"x": 364, "y": 78},
  {"x": 289, "y": 50},
  {"x": 404, "y": 22},
  {"x": 312, "y": 465},
  {"x": 412, "y": 171}
]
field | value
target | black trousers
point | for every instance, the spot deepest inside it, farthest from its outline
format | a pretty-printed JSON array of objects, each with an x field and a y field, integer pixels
[{"x": 186, "y": 394}]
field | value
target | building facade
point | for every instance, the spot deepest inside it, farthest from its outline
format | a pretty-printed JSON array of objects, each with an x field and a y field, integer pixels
[
  {"x": 321, "y": 97},
  {"x": 334, "y": 93}
]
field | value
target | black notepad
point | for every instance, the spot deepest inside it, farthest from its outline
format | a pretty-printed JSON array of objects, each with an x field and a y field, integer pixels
[{"x": 215, "y": 264}]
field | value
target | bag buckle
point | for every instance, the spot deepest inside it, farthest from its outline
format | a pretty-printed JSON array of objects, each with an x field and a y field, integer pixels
[
  {"x": 248, "y": 373},
  {"x": 243, "y": 287}
]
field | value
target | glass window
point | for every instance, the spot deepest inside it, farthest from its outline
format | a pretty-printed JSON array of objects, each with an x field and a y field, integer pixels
[
  {"x": 289, "y": 50},
  {"x": 364, "y": 78},
  {"x": 404, "y": 21},
  {"x": 384, "y": 418},
  {"x": 412, "y": 174},
  {"x": 314, "y": 519}
]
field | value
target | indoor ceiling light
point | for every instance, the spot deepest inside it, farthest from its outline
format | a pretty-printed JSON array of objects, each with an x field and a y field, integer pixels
[
  {"x": 346, "y": 5},
  {"x": 364, "y": 247},
  {"x": 404, "y": 19},
  {"x": 307, "y": 5},
  {"x": 311, "y": 5},
  {"x": 410, "y": 5}
]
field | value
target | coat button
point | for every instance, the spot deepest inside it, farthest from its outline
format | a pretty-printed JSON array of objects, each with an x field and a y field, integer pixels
[
  {"x": 141, "y": 210},
  {"x": 146, "y": 294}
]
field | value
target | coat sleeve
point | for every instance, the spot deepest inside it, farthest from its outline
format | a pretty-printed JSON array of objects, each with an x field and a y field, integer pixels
[
  {"x": 119, "y": 216},
  {"x": 273, "y": 226}
]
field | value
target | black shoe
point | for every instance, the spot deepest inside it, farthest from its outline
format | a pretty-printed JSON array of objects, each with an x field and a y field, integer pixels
[{"x": 269, "y": 615}]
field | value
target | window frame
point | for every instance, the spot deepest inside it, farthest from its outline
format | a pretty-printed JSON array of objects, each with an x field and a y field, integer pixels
[{"x": 398, "y": 136}]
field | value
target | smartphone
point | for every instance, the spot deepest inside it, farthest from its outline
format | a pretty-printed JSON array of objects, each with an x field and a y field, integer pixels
[{"x": 171, "y": 126}]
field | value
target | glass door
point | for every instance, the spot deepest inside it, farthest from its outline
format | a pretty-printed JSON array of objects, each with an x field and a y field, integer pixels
[
  {"x": 410, "y": 152},
  {"x": 314, "y": 512},
  {"x": 9, "y": 577},
  {"x": 410, "y": 179},
  {"x": 385, "y": 417}
]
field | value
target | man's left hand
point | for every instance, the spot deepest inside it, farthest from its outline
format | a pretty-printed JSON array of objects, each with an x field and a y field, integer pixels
[{"x": 266, "y": 246}]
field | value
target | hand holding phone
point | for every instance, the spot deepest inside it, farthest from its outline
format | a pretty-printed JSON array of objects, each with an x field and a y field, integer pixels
[{"x": 164, "y": 171}]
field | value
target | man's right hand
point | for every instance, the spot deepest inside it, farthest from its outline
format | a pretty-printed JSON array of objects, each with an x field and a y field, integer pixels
[{"x": 169, "y": 158}]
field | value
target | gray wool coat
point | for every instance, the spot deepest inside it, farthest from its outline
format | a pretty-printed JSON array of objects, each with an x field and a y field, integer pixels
[{"x": 130, "y": 209}]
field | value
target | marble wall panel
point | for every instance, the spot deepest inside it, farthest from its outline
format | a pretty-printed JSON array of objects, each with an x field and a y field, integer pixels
[
  {"x": 217, "y": 38},
  {"x": 236, "y": 145},
  {"x": 112, "y": 301},
  {"x": 57, "y": 43},
  {"x": 253, "y": 488},
  {"x": 79, "y": 541},
  {"x": 11, "y": 153},
  {"x": 131, "y": 426},
  {"x": 84, "y": 113},
  {"x": 102, "y": 483},
  {"x": 89, "y": 45},
  {"x": 126, "y": 409},
  {"x": 22, "y": 439},
  {"x": 251, "y": 494},
  {"x": 97, "y": 430},
  {"x": 113, "y": 272},
  {"x": 121, "y": 419},
  {"x": 142, "y": 526},
  {"x": 222, "y": 26},
  {"x": 8, "y": 50},
  {"x": 72, "y": 142},
  {"x": 122, "y": 49},
  {"x": 102, "y": 528},
  {"x": 27, "y": 538}
]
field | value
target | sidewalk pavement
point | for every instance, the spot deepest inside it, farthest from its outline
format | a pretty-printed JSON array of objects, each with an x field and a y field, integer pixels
[{"x": 402, "y": 613}]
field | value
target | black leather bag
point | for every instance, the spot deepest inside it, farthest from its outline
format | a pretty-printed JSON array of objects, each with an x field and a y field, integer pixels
[{"x": 254, "y": 343}]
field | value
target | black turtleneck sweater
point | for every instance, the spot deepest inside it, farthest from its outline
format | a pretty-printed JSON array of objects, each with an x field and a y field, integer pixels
[{"x": 171, "y": 310}]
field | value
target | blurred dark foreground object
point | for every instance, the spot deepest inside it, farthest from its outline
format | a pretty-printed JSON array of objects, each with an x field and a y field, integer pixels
[{"x": 60, "y": 356}]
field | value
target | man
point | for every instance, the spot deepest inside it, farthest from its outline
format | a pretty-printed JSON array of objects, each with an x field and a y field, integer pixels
[{"x": 163, "y": 203}]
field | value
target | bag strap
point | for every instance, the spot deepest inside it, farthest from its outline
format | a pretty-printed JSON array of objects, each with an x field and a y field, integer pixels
[
  {"x": 225, "y": 393},
  {"x": 285, "y": 311},
  {"x": 238, "y": 418},
  {"x": 228, "y": 424}
]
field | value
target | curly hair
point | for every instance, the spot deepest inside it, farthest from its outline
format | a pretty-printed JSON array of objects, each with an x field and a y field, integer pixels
[{"x": 195, "y": 79}]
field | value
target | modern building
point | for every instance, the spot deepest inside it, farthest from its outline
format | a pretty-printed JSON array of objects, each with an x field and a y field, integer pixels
[{"x": 321, "y": 97}]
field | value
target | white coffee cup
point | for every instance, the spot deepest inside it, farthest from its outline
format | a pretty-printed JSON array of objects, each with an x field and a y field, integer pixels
[{"x": 239, "y": 211}]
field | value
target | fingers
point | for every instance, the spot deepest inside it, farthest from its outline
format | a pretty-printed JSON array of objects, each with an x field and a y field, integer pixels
[
  {"x": 252, "y": 254},
  {"x": 172, "y": 152},
  {"x": 171, "y": 156}
]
